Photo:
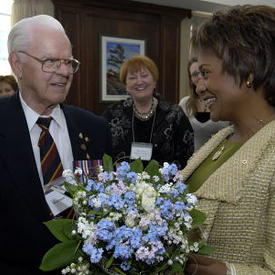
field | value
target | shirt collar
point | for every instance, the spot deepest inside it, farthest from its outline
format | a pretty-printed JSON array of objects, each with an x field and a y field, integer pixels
[{"x": 32, "y": 116}]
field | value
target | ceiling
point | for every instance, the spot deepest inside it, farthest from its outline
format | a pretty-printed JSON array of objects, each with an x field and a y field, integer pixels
[{"x": 207, "y": 5}]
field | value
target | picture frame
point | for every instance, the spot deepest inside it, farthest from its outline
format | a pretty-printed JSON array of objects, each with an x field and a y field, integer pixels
[{"x": 114, "y": 51}]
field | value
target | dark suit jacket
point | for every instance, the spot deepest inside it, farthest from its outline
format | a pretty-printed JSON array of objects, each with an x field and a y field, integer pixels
[{"x": 23, "y": 208}]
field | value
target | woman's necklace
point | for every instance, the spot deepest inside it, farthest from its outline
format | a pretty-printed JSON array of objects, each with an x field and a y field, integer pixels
[{"x": 147, "y": 115}]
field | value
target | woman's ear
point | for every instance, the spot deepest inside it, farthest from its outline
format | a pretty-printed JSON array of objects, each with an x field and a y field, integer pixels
[{"x": 15, "y": 64}]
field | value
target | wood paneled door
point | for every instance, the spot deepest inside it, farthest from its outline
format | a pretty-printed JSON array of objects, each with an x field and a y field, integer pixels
[{"x": 86, "y": 21}]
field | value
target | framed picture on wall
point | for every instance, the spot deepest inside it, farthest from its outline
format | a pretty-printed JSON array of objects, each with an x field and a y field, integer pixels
[{"x": 114, "y": 51}]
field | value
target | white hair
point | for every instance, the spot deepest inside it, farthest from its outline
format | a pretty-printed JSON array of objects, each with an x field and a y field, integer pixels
[{"x": 21, "y": 33}]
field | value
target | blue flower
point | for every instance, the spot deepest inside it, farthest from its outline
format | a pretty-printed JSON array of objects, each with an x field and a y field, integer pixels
[
  {"x": 179, "y": 206},
  {"x": 168, "y": 171},
  {"x": 103, "y": 199},
  {"x": 122, "y": 170},
  {"x": 166, "y": 209},
  {"x": 123, "y": 252},
  {"x": 105, "y": 230},
  {"x": 125, "y": 266},
  {"x": 130, "y": 197},
  {"x": 107, "y": 176},
  {"x": 132, "y": 176},
  {"x": 116, "y": 201},
  {"x": 95, "y": 253}
]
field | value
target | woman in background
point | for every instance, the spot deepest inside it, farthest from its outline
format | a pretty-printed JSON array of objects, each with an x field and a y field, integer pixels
[
  {"x": 144, "y": 125},
  {"x": 233, "y": 174},
  {"x": 8, "y": 85},
  {"x": 197, "y": 110}
]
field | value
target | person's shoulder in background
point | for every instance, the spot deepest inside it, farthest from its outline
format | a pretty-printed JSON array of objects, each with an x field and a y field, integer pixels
[{"x": 183, "y": 103}]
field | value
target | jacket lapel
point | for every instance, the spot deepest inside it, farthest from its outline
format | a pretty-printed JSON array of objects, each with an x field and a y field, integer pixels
[
  {"x": 236, "y": 170},
  {"x": 74, "y": 133}
]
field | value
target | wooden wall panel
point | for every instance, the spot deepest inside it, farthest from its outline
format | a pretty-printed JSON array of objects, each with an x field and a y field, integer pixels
[{"x": 85, "y": 22}]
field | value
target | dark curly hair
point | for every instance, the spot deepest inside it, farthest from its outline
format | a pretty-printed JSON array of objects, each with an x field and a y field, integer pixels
[{"x": 243, "y": 37}]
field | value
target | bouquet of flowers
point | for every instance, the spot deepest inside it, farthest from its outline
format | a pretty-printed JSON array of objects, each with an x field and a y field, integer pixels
[{"x": 128, "y": 221}]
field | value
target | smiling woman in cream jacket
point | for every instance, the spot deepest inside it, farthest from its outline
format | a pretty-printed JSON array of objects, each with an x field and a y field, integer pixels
[{"x": 233, "y": 174}]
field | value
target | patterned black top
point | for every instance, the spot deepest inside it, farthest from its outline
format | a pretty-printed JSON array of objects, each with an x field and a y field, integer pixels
[{"x": 172, "y": 139}]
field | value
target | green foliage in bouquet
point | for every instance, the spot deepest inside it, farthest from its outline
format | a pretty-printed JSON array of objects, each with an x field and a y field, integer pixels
[{"x": 128, "y": 221}]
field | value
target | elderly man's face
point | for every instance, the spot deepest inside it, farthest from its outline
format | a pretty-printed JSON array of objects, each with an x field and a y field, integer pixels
[{"x": 42, "y": 89}]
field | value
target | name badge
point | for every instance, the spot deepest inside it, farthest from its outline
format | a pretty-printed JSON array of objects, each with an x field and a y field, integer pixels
[
  {"x": 141, "y": 150},
  {"x": 58, "y": 202}
]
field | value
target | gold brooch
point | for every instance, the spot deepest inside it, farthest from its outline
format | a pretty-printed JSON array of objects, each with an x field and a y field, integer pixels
[{"x": 218, "y": 153}]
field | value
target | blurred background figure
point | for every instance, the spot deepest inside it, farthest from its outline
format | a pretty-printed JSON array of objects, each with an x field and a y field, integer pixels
[
  {"x": 145, "y": 125},
  {"x": 8, "y": 85},
  {"x": 196, "y": 109}
]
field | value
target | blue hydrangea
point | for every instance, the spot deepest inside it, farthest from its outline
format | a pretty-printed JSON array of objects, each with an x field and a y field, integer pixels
[
  {"x": 132, "y": 176},
  {"x": 130, "y": 197},
  {"x": 94, "y": 253},
  {"x": 122, "y": 252},
  {"x": 179, "y": 206},
  {"x": 122, "y": 170},
  {"x": 107, "y": 176},
  {"x": 125, "y": 266},
  {"x": 166, "y": 210},
  {"x": 168, "y": 171},
  {"x": 105, "y": 230},
  {"x": 104, "y": 199},
  {"x": 116, "y": 201}
]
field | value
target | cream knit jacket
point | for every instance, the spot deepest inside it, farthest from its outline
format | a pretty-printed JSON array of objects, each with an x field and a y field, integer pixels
[{"x": 239, "y": 200}]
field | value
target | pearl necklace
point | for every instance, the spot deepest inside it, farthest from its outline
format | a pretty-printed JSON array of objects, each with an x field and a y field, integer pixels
[{"x": 147, "y": 115}]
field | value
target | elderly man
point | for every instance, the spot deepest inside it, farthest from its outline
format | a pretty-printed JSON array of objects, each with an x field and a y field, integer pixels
[{"x": 39, "y": 137}]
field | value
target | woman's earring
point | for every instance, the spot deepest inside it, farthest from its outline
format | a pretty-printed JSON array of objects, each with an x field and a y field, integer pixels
[{"x": 249, "y": 84}]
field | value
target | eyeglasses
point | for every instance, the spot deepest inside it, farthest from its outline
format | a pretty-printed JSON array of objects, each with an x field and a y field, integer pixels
[
  {"x": 195, "y": 74},
  {"x": 51, "y": 65}
]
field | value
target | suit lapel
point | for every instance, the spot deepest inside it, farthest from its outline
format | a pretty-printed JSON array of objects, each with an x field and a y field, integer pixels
[
  {"x": 16, "y": 149},
  {"x": 74, "y": 133}
]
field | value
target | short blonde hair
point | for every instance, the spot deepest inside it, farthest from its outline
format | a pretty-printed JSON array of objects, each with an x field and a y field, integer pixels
[{"x": 135, "y": 64}]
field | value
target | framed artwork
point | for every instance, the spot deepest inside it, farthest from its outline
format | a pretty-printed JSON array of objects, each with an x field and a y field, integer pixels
[{"x": 114, "y": 51}]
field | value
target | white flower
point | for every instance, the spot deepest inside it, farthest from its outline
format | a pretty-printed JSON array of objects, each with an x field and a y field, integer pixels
[
  {"x": 156, "y": 178},
  {"x": 148, "y": 196},
  {"x": 148, "y": 203},
  {"x": 165, "y": 188},
  {"x": 194, "y": 247},
  {"x": 85, "y": 228},
  {"x": 69, "y": 176},
  {"x": 78, "y": 171},
  {"x": 191, "y": 199}
]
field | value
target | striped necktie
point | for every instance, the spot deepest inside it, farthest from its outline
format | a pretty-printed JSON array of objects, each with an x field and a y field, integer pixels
[{"x": 50, "y": 161}]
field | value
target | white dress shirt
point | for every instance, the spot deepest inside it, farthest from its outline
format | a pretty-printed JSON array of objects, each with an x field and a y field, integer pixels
[{"x": 58, "y": 130}]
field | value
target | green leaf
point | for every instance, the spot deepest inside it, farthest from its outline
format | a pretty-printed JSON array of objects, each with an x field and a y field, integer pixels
[
  {"x": 177, "y": 268},
  {"x": 107, "y": 163},
  {"x": 161, "y": 268},
  {"x": 198, "y": 218},
  {"x": 152, "y": 168},
  {"x": 119, "y": 271},
  {"x": 60, "y": 228},
  {"x": 59, "y": 255},
  {"x": 137, "y": 166},
  {"x": 206, "y": 250},
  {"x": 70, "y": 188},
  {"x": 109, "y": 262}
]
